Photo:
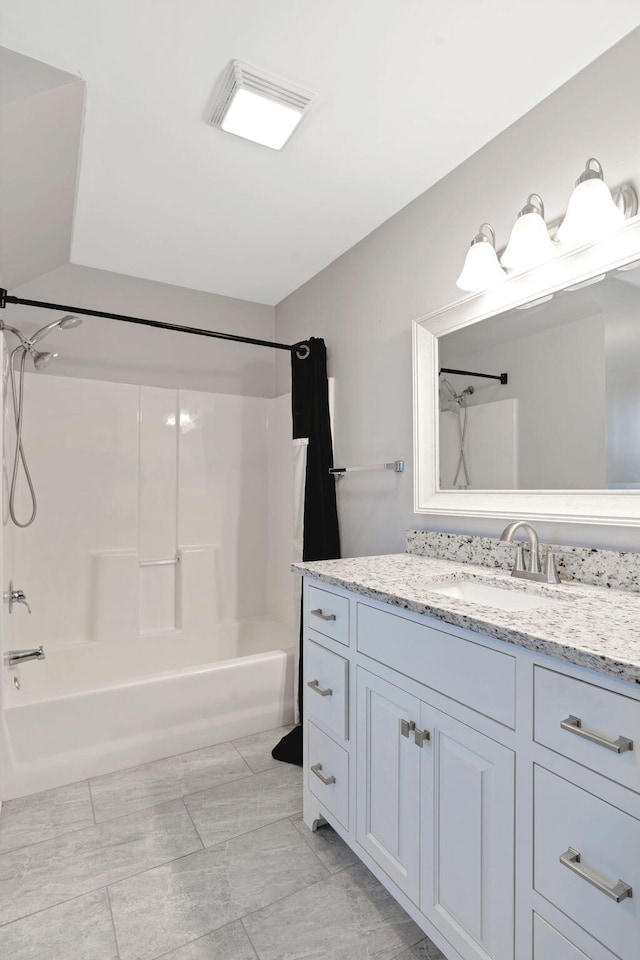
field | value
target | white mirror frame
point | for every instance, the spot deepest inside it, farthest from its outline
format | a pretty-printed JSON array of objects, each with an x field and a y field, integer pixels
[{"x": 576, "y": 506}]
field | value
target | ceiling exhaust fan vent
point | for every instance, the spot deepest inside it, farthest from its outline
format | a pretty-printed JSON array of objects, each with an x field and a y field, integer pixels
[{"x": 258, "y": 106}]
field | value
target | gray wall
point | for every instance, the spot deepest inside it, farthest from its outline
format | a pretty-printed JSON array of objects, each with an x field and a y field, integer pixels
[
  {"x": 41, "y": 112},
  {"x": 110, "y": 350},
  {"x": 364, "y": 302}
]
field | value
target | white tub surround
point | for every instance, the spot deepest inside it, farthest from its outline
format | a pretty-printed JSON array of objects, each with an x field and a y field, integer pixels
[
  {"x": 591, "y": 627},
  {"x": 482, "y": 763},
  {"x": 148, "y": 573},
  {"x": 600, "y": 568}
]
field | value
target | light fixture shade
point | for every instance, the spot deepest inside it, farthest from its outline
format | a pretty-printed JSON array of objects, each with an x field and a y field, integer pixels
[
  {"x": 481, "y": 269},
  {"x": 257, "y": 106},
  {"x": 529, "y": 244},
  {"x": 592, "y": 212}
]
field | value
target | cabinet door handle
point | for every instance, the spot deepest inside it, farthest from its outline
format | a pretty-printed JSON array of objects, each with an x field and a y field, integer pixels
[
  {"x": 316, "y": 768},
  {"x": 406, "y": 726},
  {"x": 323, "y": 616},
  {"x": 574, "y": 725},
  {"x": 616, "y": 889},
  {"x": 323, "y": 691},
  {"x": 421, "y": 737}
]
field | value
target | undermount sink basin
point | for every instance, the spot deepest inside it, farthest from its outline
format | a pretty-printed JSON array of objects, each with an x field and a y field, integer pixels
[{"x": 488, "y": 596}]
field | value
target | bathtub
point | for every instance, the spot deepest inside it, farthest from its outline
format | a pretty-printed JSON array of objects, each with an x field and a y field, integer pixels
[{"x": 59, "y": 729}]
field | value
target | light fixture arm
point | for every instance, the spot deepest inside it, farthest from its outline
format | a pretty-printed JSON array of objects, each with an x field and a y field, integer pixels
[
  {"x": 589, "y": 173},
  {"x": 481, "y": 235},
  {"x": 534, "y": 204}
]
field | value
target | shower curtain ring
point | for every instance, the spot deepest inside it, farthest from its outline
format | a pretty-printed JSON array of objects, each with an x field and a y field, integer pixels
[{"x": 303, "y": 347}]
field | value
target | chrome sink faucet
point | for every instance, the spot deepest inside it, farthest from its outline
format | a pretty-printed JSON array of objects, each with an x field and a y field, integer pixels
[{"x": 533, "y": 571}]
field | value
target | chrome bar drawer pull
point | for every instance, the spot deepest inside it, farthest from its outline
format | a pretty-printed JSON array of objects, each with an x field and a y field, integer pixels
[
  {"x": 406, "y": 726},
  {"x": 421, "y": 736},
  {"x": 323, "y": 691},
  {"x": 574, "y": 725},
  {"x": 316, "y": 768},
  {"x": 323, "y": 616},
  {"x": 618, "y": 890}
]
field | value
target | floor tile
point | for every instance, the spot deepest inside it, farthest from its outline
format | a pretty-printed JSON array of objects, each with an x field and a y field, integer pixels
[
  {"x": 327, "y": 845},
  {"x": 36, "y": 877},
  {"x": 80, "y": 929},
  {"x": 172, "y": 905},
  {"x": 425, "y": 950},
  {"x": 138, "y": 787},
  {"x": 229, "y": 943},
  {"x": 237, "y": 808},
  {"x": 45, "y": 815},
  {"x": 257, "y": 748},
  {"x": 348, "y": 917}
]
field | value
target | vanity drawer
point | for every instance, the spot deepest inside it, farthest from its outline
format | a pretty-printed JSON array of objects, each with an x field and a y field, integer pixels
[
  {"x": 588, "y": 724},
  {"x": 328, "y": 614},
  {"x": 598, "y": 844},
  {"x": 476, "y": 676},
  {"x": 326, "y": 677},
  {"x": 328, "y": 773},
  {"x": 548, "y": 944}
]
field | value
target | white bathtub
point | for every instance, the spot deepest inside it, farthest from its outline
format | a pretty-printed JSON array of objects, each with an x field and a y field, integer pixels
[{"x": 59, "y": 737}]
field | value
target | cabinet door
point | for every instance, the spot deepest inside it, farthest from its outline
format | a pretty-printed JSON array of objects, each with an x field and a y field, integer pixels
[
  {"x": 467, "y": 856},
  {"x": 388, "y": 785}
]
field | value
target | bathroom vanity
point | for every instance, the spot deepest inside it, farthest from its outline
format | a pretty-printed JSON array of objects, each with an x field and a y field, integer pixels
[{"x": 475, "y": 741}]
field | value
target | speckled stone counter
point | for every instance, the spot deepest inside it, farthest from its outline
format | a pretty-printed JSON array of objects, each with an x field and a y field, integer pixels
[
  {"x": 592, "y": 627},
  {"x": 600, "y": 568}
]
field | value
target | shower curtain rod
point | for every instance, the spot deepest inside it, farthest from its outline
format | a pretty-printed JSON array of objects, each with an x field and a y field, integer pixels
[
  {"x": 301, "y": 349},
  {"x": 502, "y": 377}
]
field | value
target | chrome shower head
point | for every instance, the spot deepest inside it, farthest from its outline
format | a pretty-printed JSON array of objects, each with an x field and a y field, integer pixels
[
  {"x": 41, "y": 360},
  {"x": 65, "y": 323},
  {"x": 70, "y": 321}
]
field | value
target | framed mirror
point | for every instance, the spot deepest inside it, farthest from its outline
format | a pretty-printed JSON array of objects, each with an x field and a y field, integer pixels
[{"x": 527, "y": 397}]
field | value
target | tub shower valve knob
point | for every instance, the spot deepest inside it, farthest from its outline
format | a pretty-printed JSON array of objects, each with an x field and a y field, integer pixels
[{"x": 16, "y": 596}]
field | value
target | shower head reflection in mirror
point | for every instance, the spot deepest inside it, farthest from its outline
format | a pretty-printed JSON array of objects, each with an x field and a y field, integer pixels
[
  {"x": 41, "y": 359},
  {"x": 453, "y": 402}
]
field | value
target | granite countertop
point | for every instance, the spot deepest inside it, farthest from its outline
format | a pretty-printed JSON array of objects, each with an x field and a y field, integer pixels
[{"x": 591, "y": 626}]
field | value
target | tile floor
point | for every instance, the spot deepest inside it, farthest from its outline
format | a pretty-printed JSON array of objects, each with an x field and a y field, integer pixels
[{"x": 203, "y": 856}]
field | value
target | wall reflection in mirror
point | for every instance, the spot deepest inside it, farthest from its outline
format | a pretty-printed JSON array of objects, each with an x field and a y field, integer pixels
[{"x": 568, "y": 417}]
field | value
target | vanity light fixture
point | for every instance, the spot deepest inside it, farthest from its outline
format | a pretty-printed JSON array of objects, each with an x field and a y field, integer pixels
[
  {"x": 529, "y": 244},
  {"x": 481, "y": 269},
  {"x": 257, "y": 106},
  {"x": 593, "y": 212}
]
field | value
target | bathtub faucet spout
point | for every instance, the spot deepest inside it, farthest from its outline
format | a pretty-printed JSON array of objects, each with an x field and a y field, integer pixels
[{"x": 14, "y": 657}]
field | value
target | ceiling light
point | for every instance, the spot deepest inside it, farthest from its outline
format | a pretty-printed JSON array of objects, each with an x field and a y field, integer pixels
[
  {"x": 529, "y": 244},
  {"x": 592, "y": 212},
  {"x": 257, "y": 106},
  {"x": 481, "y": 268}
]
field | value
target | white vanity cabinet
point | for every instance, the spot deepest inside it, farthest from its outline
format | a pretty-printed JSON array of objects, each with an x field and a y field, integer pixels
[
  {"x": 435, "y": 810},
  {"x": 445, "y": 760},
  {"x": 467, "y": 842},
  {"x": 388, "y": 779}
]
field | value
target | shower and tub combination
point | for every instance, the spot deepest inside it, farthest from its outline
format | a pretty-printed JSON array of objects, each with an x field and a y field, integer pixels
[{"x": 149, "y": 530}]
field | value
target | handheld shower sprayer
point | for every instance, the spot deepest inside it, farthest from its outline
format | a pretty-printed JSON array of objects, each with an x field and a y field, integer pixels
[{"x": 40, "y": 360}]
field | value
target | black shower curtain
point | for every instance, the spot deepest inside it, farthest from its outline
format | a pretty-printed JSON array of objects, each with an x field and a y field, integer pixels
[{"x": 321, "y": 535}]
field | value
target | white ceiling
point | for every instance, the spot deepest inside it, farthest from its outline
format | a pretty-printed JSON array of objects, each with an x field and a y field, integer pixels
[{"x": 406, "y": 90}]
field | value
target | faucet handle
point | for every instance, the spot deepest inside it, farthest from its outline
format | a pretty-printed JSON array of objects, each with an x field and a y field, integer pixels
[
  {"x": 551, "y": 570},
  {"x": 518, "y": 563},
  {"x": 16, "y": 595}
]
